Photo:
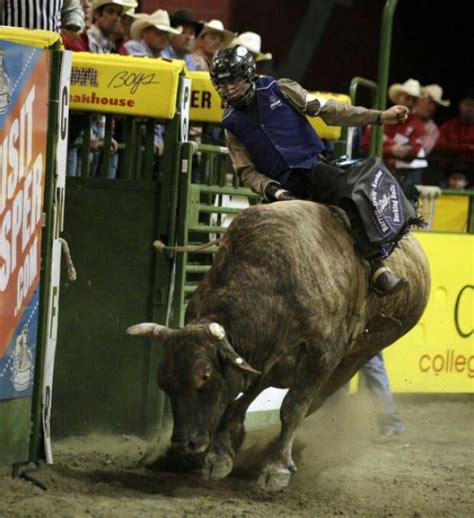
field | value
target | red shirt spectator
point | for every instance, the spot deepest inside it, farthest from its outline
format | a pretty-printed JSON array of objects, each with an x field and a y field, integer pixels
[
  {"x": 408, "y": 133},
  {"x": 456, "y": 136},
  {"x": 403, "y": 142},
  {"x": 429, "y": 102}
]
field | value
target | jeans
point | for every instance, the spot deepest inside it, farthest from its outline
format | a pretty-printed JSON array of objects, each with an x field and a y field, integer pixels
[
  {"x": 376, "y": 379},
  {"x": 73, "y": 162}
]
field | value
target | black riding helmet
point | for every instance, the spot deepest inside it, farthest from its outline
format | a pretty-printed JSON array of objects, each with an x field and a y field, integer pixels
[{"x": 233, "y": 63}]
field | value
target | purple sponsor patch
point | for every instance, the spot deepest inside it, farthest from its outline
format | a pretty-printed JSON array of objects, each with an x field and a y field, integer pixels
[{"x": 384, "y": 195}]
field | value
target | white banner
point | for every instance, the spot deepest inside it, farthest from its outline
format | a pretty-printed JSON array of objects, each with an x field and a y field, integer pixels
[
  {"x": 185, "y": 102},
  {"x": 58, "y": 217}
]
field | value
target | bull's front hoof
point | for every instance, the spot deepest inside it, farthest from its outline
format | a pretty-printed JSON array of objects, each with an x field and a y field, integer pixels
[
  {"x": 217, "y": 466},
  {"x": 274, "y": 479}
]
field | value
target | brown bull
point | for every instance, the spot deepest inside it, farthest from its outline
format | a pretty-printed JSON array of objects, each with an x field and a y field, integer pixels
[{"x": 285, "y": 304}]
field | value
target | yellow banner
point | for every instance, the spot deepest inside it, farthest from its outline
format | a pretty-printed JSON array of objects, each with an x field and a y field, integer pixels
[
  {"x": 322, "y": 129},
  {"x": 125, "y": 84},
  {"x": 437, "y": 355},
  {"x": 32, "y": 37},
  {"x": 451, "y": 213},
  {"x": 206, "y": 105}
]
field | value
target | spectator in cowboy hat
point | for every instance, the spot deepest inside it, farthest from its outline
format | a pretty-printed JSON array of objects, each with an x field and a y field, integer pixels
[
  {"x": 253, "y": 43},
  {"x": 105, "y": 20},
  {"x": 181, "y": 45},
  {"x": 403, "y": 142},
  {"x": 98, "y": 38},
  {"x": 150, "y": 34},
  {"x": 212, "y": 38},
  {"x": 122, "y": 34},
  {"x": 429, "y": 102},
  {"x": 426, "y": 107}
]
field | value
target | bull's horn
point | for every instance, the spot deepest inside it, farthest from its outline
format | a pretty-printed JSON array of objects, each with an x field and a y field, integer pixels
[
  {"x": 147, "y": 329},
  {"x": 230, "y": 356},
  {"x": 217, "y": 330}
]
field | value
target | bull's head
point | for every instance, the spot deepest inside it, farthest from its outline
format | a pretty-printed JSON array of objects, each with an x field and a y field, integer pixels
[{"x": 201, "y": 373}]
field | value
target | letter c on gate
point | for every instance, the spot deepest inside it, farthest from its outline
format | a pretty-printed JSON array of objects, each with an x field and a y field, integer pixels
[
  {"x": 464, "y": 334},
  {"x": 64, "y": 118}
]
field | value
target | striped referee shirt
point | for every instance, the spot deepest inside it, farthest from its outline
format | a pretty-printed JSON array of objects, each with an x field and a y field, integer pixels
[{"x": 33, "y": 14}]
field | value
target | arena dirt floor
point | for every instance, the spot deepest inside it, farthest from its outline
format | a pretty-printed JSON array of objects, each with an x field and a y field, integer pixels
[{"x": 428, "y": 472}]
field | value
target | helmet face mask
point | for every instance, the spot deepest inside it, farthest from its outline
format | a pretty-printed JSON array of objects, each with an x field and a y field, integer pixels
[{"x": 233, "y": 75}]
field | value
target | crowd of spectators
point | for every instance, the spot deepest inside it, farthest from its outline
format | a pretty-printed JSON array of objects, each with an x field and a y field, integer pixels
[{"x": 420, "y": 151}]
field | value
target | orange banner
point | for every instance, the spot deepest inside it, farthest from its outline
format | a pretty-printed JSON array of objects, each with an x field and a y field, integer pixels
[{"x": 22, "y": 172}]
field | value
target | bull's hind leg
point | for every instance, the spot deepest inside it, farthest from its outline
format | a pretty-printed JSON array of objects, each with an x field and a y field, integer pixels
[
  {"x": 220, "y": 459},
  {"x": 313, "y": 370}
]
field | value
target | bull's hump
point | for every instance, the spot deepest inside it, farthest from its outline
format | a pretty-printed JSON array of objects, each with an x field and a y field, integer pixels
[
  {"x": 289, "y": 220},
  {"x": 290, "y": 211}
]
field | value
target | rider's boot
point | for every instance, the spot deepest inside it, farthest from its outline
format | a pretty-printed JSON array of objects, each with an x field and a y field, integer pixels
[{"x": 383, "y": 281}]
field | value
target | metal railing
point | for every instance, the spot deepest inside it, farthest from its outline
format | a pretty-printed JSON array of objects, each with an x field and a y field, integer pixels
[{"x": 203, "y": 216}]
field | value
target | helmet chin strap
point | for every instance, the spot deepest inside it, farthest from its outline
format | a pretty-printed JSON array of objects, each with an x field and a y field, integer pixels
[{"x": 245, "y": 99}]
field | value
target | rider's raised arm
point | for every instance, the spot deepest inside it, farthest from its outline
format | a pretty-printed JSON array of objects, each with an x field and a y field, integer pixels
[{"x": 331, "y": 111}]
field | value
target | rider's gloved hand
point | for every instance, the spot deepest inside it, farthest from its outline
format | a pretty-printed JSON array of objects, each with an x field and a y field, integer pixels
[{"x": 275, "y": 192}]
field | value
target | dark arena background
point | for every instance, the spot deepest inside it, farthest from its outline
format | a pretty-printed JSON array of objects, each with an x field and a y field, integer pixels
[{"x": 94, "y": 439}]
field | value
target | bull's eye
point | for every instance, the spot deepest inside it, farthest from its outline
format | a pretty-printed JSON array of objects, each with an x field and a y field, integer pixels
[
  {"x": 202, "y": 373},
  {"x": 202, "y": 380}
]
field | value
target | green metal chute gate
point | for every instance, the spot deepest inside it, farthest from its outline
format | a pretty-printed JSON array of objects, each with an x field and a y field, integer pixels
[
  {"x": 110, "y": 225},
  {"x": 200, "y": 219}
]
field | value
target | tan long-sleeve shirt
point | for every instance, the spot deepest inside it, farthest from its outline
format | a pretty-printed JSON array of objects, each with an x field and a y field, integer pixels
[{"x": 332, "y": 112}]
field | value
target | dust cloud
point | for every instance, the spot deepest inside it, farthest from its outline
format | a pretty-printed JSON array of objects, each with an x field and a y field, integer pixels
[{"x": 341, "y": 472}]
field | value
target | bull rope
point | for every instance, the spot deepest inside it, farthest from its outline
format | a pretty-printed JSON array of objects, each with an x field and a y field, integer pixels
[
  {"x": 160, "y": 246},
  {"x": 71, "y": 271}
]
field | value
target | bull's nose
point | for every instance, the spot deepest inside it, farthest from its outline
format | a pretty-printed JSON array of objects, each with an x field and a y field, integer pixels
[
  {"x": 196, "y": 446},
  {"x": 192, "y": 446}
]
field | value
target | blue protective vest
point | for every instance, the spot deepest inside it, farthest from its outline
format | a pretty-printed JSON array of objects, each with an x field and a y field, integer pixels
[{"x": 281, "y": 140}]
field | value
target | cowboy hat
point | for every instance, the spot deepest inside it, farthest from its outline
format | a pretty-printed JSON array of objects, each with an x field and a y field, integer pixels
[
  {"x": 253, "y": 43},
  {"x": 183, "y": 17},
  {"x": 409, "y": 87},
  {"x": 126, "y": 4},
  {"x": 159, "y": 19},
  {"x": 218, "y": 26},
  {"x": 131, "y": 12},
  {"x": 436, "y": 93}
]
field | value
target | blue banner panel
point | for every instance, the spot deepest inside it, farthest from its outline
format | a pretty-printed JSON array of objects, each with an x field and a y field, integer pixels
[{"x": 17, "y": 364}]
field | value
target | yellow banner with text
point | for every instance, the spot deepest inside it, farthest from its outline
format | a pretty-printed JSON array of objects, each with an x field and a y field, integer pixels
[
  {"x": 125, "y": 85},
  {"x": 437, "y": 355},
  {"x": 206, "y": 105}
]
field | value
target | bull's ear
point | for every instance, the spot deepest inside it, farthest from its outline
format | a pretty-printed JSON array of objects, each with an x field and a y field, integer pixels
[
  {"x": 230, "y": 357},
  {"x": 149, "y": 329}
]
